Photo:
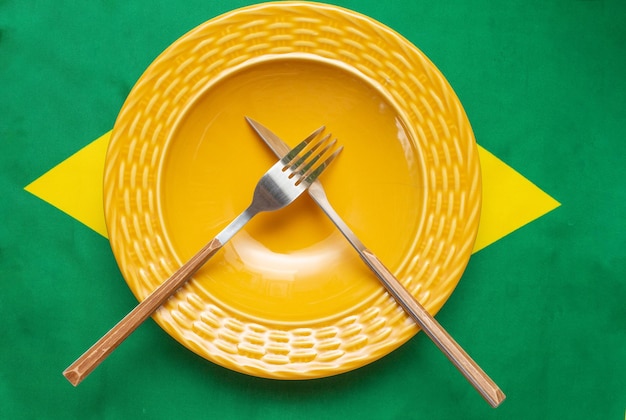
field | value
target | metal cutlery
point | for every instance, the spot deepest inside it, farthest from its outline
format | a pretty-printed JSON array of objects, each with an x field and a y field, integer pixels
[
  {"x": 279, "y": 186},
  {"x": 464, "y": 363}
]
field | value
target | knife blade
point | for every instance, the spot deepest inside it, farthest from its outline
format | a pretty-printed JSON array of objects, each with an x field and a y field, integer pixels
[{"x": 463, "y": 362}]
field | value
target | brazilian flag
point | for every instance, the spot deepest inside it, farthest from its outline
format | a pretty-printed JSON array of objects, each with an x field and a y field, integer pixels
[{"x": 541, "y": 306}]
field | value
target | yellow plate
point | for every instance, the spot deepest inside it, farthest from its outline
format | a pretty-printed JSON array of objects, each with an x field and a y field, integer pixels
[{"x": 287, "y": 297}]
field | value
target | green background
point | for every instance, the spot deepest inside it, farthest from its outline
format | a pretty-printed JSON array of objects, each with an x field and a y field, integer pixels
[{"x": 542, "y": 310}]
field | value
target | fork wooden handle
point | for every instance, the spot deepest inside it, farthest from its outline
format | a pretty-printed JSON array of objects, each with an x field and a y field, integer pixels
[
  {"x": 86, "y": 363},
  {"x": 464, "y": 363}
]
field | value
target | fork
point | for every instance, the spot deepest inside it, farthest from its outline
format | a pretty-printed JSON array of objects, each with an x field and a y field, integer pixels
[{"x": 279, "y": 186}]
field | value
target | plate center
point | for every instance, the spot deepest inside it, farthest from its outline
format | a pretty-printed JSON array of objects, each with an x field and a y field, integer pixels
[{"x": 291, "y": 265}]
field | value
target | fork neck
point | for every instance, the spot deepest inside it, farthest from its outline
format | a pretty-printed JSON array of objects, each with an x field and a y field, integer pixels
[{"x": 235, "y": 226}]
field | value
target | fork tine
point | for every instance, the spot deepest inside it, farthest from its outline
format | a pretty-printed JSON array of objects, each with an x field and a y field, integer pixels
[
  {"x": 304, "y": 164},
  {"x": 293, "y": 153},
  {"x": 299, "y": 160},
  {"x": 313, "y": 172}
]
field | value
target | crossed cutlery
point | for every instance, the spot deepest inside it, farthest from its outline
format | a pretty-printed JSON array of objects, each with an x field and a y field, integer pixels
[{"x": 296, "y": 171}]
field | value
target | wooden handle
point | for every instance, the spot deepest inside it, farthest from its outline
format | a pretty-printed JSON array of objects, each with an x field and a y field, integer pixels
[
  {"x": 86, "y": 363},
  {"x": 464, "y": 363}
]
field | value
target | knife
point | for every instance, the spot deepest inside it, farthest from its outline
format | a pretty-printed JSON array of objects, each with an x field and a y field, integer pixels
[{"x": 463, "y": 362}]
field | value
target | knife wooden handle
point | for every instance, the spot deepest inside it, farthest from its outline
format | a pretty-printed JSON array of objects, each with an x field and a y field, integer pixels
[
  {"x": 464, "y": 363},
  {"x": 86, "y": 363}
]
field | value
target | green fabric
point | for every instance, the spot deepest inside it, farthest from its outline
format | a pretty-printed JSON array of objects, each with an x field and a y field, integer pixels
[{"x": 543, "y": 310}]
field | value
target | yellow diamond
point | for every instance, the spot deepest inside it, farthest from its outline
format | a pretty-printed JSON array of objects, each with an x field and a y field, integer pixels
[
  {"x": 510, "y": 201},
  {"x": 75, "y": 185}
]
